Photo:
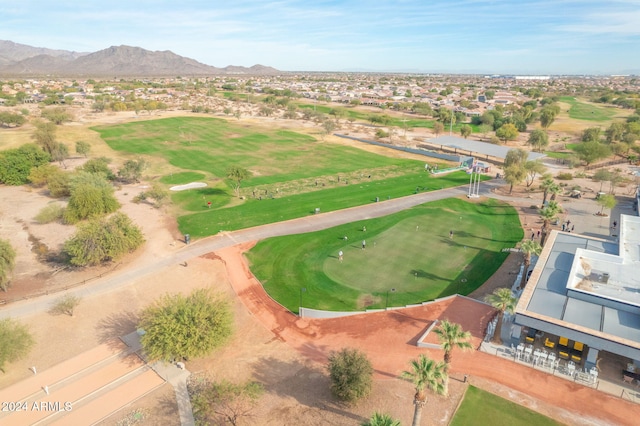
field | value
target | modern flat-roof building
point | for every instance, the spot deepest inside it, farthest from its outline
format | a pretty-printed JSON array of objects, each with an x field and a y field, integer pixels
[{"x": 586, "y": 290}]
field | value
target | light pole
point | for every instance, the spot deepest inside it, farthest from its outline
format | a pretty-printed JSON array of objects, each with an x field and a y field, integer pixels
[
  {"x": 302, "y": 290},
  {"x": 387, "y": 304}
]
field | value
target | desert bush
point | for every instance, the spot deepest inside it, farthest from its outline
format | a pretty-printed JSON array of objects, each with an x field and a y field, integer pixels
[
  {"x": 50, "y": 213},
  {"x": 564, "y": 176}
]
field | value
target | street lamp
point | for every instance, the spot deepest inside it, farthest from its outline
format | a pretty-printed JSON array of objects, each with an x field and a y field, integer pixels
[
  {"x": 392, "y": 291},
  {"x": 302, "y": 290}
]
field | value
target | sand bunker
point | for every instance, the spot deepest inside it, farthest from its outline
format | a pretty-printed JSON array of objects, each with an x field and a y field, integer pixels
[{"x": 188, "y": 186}]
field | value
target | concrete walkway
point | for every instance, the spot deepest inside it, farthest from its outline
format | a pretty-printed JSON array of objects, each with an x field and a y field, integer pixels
[{"x": 174, "y": 374}]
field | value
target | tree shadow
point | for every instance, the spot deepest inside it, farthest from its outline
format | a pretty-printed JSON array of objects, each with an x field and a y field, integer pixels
[
  {"x": 111, "y": 328},
  {"x": 308, "y": 385}
]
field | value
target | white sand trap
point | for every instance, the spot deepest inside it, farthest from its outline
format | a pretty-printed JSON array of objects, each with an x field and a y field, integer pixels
[{"x": 188, "y": 186}]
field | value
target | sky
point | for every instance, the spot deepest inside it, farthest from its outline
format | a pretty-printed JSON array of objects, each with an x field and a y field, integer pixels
[{"x": 429, "y": 36}]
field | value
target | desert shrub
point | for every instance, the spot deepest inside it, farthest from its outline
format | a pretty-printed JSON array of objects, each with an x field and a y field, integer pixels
[
  {"x": 178, "y": 326},
  {"x": 50, "y": 213},
  {"x": 16, "y": 164},
  {"x": 103, "y": 240},
  {"x": 351, "y": 374},
  {"x": 7, "y": 263},
  {"x": 40, "y": 175},
  {"x": 564, "y": 176},
  {"x": 91, "y": 196},
  {"x": 59, "y": 185}
]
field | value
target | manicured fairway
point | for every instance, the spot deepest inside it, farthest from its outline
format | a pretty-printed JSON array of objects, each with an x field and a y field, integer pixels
[
  {"x": 410, "y": 252},
  {"x": 255, "y": 212},
  {"x": 584, "y": 111},
  {"x": 480, "y": 407},
  {"x": 211, "y": 145}
]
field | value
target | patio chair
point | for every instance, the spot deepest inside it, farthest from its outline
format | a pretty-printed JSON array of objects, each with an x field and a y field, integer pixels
[
  {"x": 576, "y": 358},
  {"x": 627, "y": 379},
  {"x": 563, "y": 342},
  {"x": 563, "y": 355},
  {"x": 578, "y": 347},
  {"x": 549, "y": 343}
]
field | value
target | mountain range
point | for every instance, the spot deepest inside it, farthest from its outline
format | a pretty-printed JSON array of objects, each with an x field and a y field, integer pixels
[{"x": 20, "y": 60}]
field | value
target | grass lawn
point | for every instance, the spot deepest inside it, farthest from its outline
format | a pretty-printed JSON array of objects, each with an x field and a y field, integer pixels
[
  {"x": 182, "y": 178},
  {"x": 211, "y": 145},
  {"x": 587, "y": 111},
  {"x": 480, "y": 407},
  {"x": 253, "y": 211},
  {"x": 404, "y": 251}
]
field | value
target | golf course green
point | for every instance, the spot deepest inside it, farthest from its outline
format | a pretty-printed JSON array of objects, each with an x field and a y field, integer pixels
[{"x": 409, "y": 257}]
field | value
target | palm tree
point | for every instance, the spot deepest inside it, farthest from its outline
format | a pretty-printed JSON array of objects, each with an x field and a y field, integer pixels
[
  {"x": 502, "y": 299},
  {"x": 547, "y": 182},
  {"x": 548, "y": 214},
  {"x": 554, "y": 190},
  {"x": 451, "y": 335},
  {"x": 379, "y": 419},
  {"x": 426, "y": 374},
  {"x": 528, "y": 248}
]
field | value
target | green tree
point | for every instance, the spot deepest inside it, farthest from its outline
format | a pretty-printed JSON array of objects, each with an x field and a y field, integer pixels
[
  {"x": 503, "y": 300},
  {"x": 16, "y": 164},
  {"x": 489, "y": 94},
  {"x": 65, "y": 305},
  {"x": 547, "y": 117},
  {"x": 538, "y": 139},
  {"x": 507, "y": 132},
  {"x": 528, "y": 248},
  {"x": 606, "y": 201},
  {"x": 222, "y": 402},
  {"x": 60, "y": 153},
  {"x": 514, "y": 175},
  {"x": 328, "y": 126},
  {"x": 103, "y": 240},
  {"x": 592, "y": 151},
  {"x": 351, "y": 374},
  {"x": 91, "y": 196},
  {"x": 45, "y": 136},
  {"x": 602, "y": 176},
  {"x": 548, "y": 214},
  {"x": 16, "y": 341},
  {"x": 465, "y": 130},
  {"x": 592, "y": 134},
  {"x": 379, "y": 419},
  {"x": 425, "y": 374},
  {"x": 131, "y": 170},
  {"x": 56, "y": 115},
  {"x": 178, "y": 326},
  {"x": 100, "y": 166},
  {"x": 236, "y": 175},
  {"x": 533, "y": 169},
  {"x": 83, "y": 148},
  {"x": 438, "y": 128},
  {"x": 451, "y": 336},
  {"x": 615, "y": 132},
  {"x": 7, "y": 263}
]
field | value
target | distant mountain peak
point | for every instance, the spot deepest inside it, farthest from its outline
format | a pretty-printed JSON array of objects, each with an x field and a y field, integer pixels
[{"x": 132, "y": 61}]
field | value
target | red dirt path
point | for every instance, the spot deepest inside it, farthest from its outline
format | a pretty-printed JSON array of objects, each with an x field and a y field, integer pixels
[{"x": 389, "y": 340}]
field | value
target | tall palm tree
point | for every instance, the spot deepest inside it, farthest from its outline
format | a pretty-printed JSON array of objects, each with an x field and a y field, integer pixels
[
  {"x": 451, "y": 335},
  {"x": 528, "y": 248},
  {"x": 547, "y": 182},
  {"x": 503, "y": 300},
  {"x": 548, "y": 214},
  {"x": 554, "y": 190},
  {"x": 426, "y": 374},
  {"x": 379, "y": 419}
]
